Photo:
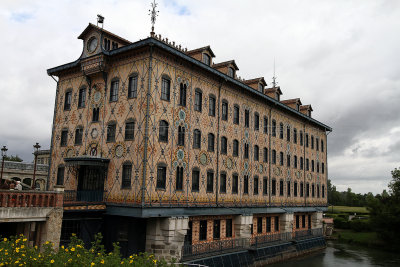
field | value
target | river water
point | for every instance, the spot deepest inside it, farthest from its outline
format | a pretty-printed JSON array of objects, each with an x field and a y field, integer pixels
[{"x": 341, "y": 255}]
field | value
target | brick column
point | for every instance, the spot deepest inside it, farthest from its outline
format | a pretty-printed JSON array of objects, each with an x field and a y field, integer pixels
[
  {"x": 165, "y": 236},
  {"x": 286, "y": 222}
]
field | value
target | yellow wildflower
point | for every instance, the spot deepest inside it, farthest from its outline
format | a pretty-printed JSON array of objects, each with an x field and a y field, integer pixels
[
  {"x": 66, "y": 250},
  {"x": 73, "y": 234},
  {"x": 72, "y": 249},
  {"x": 69, "y": 260},
  {"x": 78, "y": 255},
  {"x": 6, "y": 253},
  {"x": 24, "y": 239},
  {"x": 122, "y": 262},
  {"x": 17, "y": 250},
  {"x": 16, "y": 241},
  {"x": 16, "y": 262},
  {"x": 5, "y": 239},
  {"x": 52, "y": 261},
  {"x": 47, "y": 242},
  {"x": 155, "y": 261},
  {"x": 102, "y": 261},
  {"x": 130, "y": 261},
  {"x": 62, "y": 247},
  {"x": 92, "y": 264}
]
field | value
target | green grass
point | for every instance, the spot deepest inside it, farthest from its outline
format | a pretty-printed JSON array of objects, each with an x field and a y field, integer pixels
[
  {"x": 350, "y": 210},
  {"x": 369, "y": 239}
]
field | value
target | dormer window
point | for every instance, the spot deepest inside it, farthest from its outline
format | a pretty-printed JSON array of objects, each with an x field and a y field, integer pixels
[
  {"x": 231, "y": 72},
  {"x": 297, "y": 106},
  {"x": 260, "y": 87},
  {"x": 206, "y": 59},
  {"x": 309, "y": 113},
  {"x": 277, "y": 96}
]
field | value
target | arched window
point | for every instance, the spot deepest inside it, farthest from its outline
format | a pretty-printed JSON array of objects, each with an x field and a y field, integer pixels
[
  {"x": 198, "y": 100},
  {"x": 224, "y": 110},
  {"x": 130, "y": 130},
  {"x": 179, "y": 178},
  {"x": 111, "y": 128},
  {"x": 273, "y": 187},
  {"x": 235, "y": 151},
  {"x": 224, "y": 145},
  {"x": 288, "y": 187},
  {"x": 281, "y": 158},
  {"x": 301, "y": 163},
  {"x": 235, "y": 183},
  {"x": 265, "y": 125},
  {"x": 317, "y": 167},
  {"x": 281, "y": 130},
  {"x": 165, "y": 87},
  {"x": 210, "y": 181},
  {"x": 222, "y": 184},
  {"x": 273, "y": 156},
  {"x": 288, "y": 160},
  {"x": 78, "y": 135},
  {"x": 301, "y": 189},
  {"x": 295, "y": 162},
  {"x": 82, "y": 97},
  {"x": 161, "y": 175},
  {"x": 281, "y": 187},
  {"x": 181, "y": 136},
  {"x": 306, "y": 140},
  {"x": 312, "y": 142},
  {"x": 255, "y": 185},
  {"x": 317, "y": 144},
  {"x": 295, "y": 189},
  {"x": 273, "y": 128},
  {"x": 322, "y": 168},
  {"x": 195, "y": 179},
  {"x": 196, "y": 138},
  {"x": 163, "y": 131},
  {"x": 246, "y": 151},
  {"x": 182, "y": 95},
  {"x": 245, "y": 184},
  {"x": 114, "y": 90},
  {"x": 126, "y": 175},
  {"x": 301, "y": 138},
  {"x": 256, "y": 153},
  {"x": 312, "y": 165},
  {"x": 295, "y": 135},
  {"x": 236, "y": 114},
  {"x": 288, "y": 133},
  {"x": 132, "y": 85},
  {"x": 265, "y": 186},
  {"x": 256, "y": 121},
  {"x": 246, "y": 118},
  {"x": 68, "y": 99},
  {"x": 96, "y": 113},
  {"x": 211, "y": 105},
  {"x": 322, "y": 145},
  {"x": 211, "y": 142},
  {"x": 307, "y": 165},
  {"x": 265, "y": 154}
]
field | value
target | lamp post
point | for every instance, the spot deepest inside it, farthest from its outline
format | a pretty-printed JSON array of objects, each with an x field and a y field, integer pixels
[
  {"x": 36, "y": 147},
  {"x": 3, "y": 155}
]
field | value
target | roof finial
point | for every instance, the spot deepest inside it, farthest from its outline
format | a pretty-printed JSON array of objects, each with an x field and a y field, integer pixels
[
  {"x": 153, "y": 13},
  {"x": 100, "y": 20},
  {"x": 274, "y": 83}
]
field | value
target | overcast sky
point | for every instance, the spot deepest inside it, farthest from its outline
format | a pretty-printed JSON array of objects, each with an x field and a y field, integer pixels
[{"x": 340, "y": 56}]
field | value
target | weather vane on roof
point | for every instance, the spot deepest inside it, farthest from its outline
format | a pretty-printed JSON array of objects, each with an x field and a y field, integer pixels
[
  {"x": 153, "y": 13},
  {"x": 274, "y": 83}
]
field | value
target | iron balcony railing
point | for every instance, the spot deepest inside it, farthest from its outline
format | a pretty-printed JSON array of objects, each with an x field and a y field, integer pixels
[
  {"x": 219, "y": 246},
  {"x": 83, "y": 196}
]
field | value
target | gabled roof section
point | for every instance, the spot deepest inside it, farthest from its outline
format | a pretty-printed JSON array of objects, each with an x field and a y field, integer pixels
[
  {"x": 226, "y": 63},
  {"x": 255, "y": 80},
  {"x": 201, "y": 49},
  {"x": 306, "y": 107},
  {"x": 92, "y": 26},
  {"x": 292, "y": 101},
  {"x": 273, "y": 90}
]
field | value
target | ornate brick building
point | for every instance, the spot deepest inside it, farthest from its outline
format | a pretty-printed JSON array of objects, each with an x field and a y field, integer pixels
[{"x": 166, "y": 150}]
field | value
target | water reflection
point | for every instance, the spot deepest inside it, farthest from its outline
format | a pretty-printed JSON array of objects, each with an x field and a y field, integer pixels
[{"x": 342, "y": 255}]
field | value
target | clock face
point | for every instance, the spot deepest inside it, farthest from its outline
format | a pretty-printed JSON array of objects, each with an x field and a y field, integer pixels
[{"x": 92, "y": 44}]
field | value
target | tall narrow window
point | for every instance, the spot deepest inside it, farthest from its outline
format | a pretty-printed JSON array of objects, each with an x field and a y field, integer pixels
[
  {"x": 60, "y": 175},
  {"x": 95, "y": 116},
  {"x": 182, "y": 95},
  {"x": 246, "y": 118},
  {"x": 198, "y": 100},
  {"x": 295, "y": 189},
  {"x": 231, "y": 72},
  {"x": 301, "y": 138},
  {"x": 307, "y": 189},
  {"x": 256, "y": 121},
  {"x": 211, "y": 106},
  {"x": 303, "y": 221},
  {"x": 165, "y": 88},
  {"x": 224, "y": 145},
  {"x": 295, "y": 162},
  {"x": 322, "y": 168},
  {"x": 211, "y": 142},
  {"x": 210, "y": 182},
  {"x": 288, "y": 187},
  {"x": 265, "y": 186},
  {"x": 317, "y": 144},
  {"x": 288, "y": 160},
  {"x": 313, "y": 190},
  {"x": 126, "y": 175},
  {"x": 217, "y": 229},
  {"x": 256, "y": 153},
  {"x": 246, "y": 151},
  {"x": 132, "y": 86},
  {"x": 181, "y": 136},
  {"x": 307, "y": 164},
  {"x": 268, "y": 224},
  {"x": 78, "y": 136},
  {"x": 306, "y": 140},
  {"x": 281, "y": 130},
  {"x": 195, "y": 180},
  {"x": 163, "y": 131},
  {"x": 265, "y": 125},
  {"x": 312, "y": 142},
  {"x": 235, "y": 150},
  {"x": 255, "y": 186},
  {"x": 222, "y": 184},
  {"x": 273, "y": 187},
  {"x": 323, "y": 191},
  {"x": 161, "y": 176},
  {"x": 265, "y": 154},
  {"x": 288, "y": 133},
  {"x": 129, "y": 130},
  {"x": 318, "y": 195},
  {"x": 111, "y": 132},
  {"x": 273, "y": 156},
  {"x": 235, "y": 183},
  {"x": 259, "y": 225},
  {"x": 276, "y": 223},
  {"x": 203, "y": 230},
  {"x": 64, "y": 138},
  {"x": 245, "y": 184},
  {"x": 301, "y": 163},
  {"x": 236, "y": 114},
  {"x": 179, "y": 178},
  {"x": 281, "y": 187},
  {"x": 228, "y": 232},
  {"x": 67, "y": 100},
  {"x": 196, "y": 139},
  {"x": 295, "y": 135},
  {"x": 281, "y": 158},
  {"x": 206, "y": 59},
  {"x": 273, "y": 128},
  {"x": 82, "y": 98},
  {"x": 114, "y": 90},
  {"x": 322, "y": 145},
  {"x": 301, "y": 189},
  {"x": 224, "y": 110}
]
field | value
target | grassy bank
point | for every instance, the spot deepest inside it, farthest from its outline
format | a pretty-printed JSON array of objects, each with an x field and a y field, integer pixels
[
  {"x": 369, "y": 239},
  {"x": 346, "y": 209}
]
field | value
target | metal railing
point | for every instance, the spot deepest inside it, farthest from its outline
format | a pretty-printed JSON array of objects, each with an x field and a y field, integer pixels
[
  {"x": 15, "y": 198},
  {"x": 214, "y": 247},
  {"x": 83, "y": 196},
  {"x": 263, "y": 239},
  {"x": 307, "y": 233}
]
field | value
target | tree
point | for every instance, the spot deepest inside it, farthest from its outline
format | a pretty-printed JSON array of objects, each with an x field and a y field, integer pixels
[{"x": 13, "y": 158}]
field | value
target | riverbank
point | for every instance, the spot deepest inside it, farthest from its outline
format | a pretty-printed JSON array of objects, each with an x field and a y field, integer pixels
[{"x": 368, "y": 239}]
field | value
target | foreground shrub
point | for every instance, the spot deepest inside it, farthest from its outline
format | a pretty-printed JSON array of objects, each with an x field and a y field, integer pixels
[
  {"x": 16, "y": 252},
  {"x": 341, "y": 223},
  {"x": 360, "y": 225}
]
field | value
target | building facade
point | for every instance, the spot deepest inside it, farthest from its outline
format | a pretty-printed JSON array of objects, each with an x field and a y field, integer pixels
[{"x": 150, "y": 136}]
